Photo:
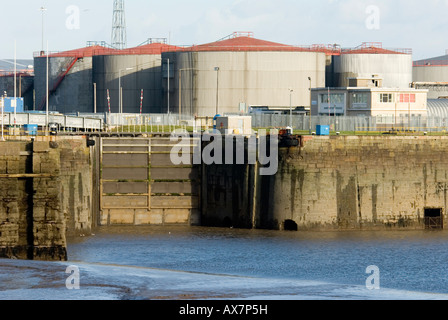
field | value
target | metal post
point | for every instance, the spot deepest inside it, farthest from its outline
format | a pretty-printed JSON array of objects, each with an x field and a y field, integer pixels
[
  {"x": 43, "y": 9},
  {"x": 3, "y": 107},
  {"x": 180, "y": 94},
  {"x": 168, "y": 80},
  {"x": 290, "y": 107},
  {"x": 15, "y": 85},
  {"x": 48, "y": 96},
  {"x": 119, "y": 92},
  {"x": 311, "y": 106},
  {"x": 94, "y": 98}
]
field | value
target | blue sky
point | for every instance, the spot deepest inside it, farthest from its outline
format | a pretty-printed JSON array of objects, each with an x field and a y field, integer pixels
[{"x": 419, "y": 25}]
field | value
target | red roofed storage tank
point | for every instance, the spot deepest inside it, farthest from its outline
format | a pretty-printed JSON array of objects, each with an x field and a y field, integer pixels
[
  {"x": 394, "y": 66},
  {"x": 239, "y": 71}
]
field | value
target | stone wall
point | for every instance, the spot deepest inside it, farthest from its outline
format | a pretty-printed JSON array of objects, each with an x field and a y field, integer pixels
[
  {"x": 353, "y": 182},
  {"x": 358, "y": 182},
  {"x": 45, "y": 188}
]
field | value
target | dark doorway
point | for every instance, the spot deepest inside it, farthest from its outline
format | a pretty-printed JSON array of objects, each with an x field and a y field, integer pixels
[
  {"x": 290, "y": 225},
  {"x": 433, "y": 218},
  {"x": 227, "y": 223}
]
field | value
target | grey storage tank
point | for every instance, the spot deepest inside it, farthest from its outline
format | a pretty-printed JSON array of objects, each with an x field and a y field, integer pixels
[
  {"x": 136, "y": 69},
  {"x": 432, "y": 74}
]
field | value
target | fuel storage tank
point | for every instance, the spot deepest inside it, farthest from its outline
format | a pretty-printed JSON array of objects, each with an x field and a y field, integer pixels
[
  {"x": 139, "y": 71},
  {"x": 432, "y": 74},
  {"x": 393, "y": 66},
  {"x": 239, "y": 72}
]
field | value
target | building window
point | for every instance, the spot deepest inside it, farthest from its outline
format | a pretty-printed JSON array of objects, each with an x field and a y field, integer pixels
[
  {"x": 406, "y": 98},
  {"x": 386, "y": 97},
  {"x": 334, "y": 98},
  {"x": 359, "y": 98}
]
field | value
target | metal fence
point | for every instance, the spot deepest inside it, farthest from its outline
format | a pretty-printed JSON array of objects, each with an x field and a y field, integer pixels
[
  {"x": 40, "y": 119},
  {"x": 302, "y": 122},
  {"x": 352, "y": 124}
]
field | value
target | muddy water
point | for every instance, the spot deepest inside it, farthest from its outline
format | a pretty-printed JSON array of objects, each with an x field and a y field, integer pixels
[{"x": 407, "y": 260}]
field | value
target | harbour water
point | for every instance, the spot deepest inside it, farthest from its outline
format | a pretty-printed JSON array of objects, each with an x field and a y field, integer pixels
[{"x": 214, "y": 263}]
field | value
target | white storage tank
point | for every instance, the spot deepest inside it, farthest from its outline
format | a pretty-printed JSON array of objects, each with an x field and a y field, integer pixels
[
  {"x": 231, "y": 75},
  {"x": 432, "y": 74},
  {"x": 369, "y": 60}
]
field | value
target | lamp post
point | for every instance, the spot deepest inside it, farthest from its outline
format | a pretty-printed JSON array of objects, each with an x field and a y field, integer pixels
[
  {"x": 43, "y": 9},
  {"x": 311, "y": 106},
  {"x": 48, "y": 96},
  {"x": 217, "y": 90},
  {"x": 15, "y": 86},
  {"x": 168, "y": 85},
  {"x": 120, "y": 94}
]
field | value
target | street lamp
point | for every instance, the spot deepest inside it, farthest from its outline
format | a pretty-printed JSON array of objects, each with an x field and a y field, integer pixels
[
  {"x": 217, "y": 89},
  {"x": 120, "y": 94},
  {"x": 168, "y": 84},
  {"x": 43, "y": 9}
]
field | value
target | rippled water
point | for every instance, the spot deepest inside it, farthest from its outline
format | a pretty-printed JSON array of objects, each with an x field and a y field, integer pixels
[{"x": 408, "y": 260}]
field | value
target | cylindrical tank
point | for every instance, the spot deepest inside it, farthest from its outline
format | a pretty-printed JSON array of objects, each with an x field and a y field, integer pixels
[
  {"x": 135, "y": 72},
  {"x": 70, "y": 82},
  {"x": 232, "y": 75},
  {"x": 24, "y": 87},
  {"x": 431, "y": 71},
  {"x": 77, "y": 76},
  {"x": 393, "y": 66}
]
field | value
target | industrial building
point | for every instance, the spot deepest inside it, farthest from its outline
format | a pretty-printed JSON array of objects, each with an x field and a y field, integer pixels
[
  {"x": 234, "y": 75},
  {"x": 239, "y": 72},
  {"x": 79, "y": 80},
  {"x": 432, "y": 74},
  {"x": 387, "y": 103}
]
